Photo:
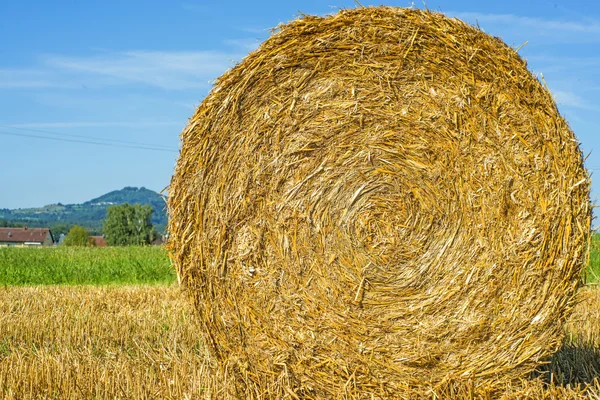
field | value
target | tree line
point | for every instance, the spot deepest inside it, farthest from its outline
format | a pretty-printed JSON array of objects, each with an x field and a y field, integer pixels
[{"x": 124, "y": 225}]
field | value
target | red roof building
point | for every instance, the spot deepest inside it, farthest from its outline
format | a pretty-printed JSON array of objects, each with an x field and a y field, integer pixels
[
  {"x": 99, "y": 241},
  {"x": 159, "y": 241},
  {"x": 26, "y": 237}
]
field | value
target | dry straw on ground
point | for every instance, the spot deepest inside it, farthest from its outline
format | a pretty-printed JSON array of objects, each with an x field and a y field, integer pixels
[
  {"x": 67, "y": 342},
  {"x": 377, "y": 201}
]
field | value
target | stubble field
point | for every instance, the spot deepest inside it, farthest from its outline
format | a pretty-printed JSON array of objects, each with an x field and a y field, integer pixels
[{"x": 142, "y": 341}]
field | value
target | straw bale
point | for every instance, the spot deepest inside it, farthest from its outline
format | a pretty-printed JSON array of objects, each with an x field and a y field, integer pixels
[{"x": 376, "y": 201}]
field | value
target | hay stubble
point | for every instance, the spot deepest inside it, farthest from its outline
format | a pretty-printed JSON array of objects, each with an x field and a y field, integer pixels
[{"x": 142, "y": 343}]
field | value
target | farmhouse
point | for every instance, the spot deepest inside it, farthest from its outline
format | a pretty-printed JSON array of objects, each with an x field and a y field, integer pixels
[
  {"x": 159, "y": 241},
  {"x": 99, "y": 241},
  {"x": 25, "y": 236}
]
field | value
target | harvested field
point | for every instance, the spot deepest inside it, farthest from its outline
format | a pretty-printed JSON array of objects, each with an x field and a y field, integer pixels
[
  {"x": 142, "y": 343},
  {"x": 378, "y": 202},
  {"x": 88, "y": 342}
]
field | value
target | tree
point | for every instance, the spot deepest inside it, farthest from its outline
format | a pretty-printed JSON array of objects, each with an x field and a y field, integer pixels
[
  {"x": 59, "y": 228},
  {"x": 128, "y": 224},
  {"x": 6, "y": 224},
  {"x": 78, "y": 236}
]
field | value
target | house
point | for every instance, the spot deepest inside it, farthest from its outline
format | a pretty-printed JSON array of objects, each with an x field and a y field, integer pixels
[
  {"x": 159, "y": 241},
  {"x": 26, "y": 237},
  {"x": 99, "y": 241}
]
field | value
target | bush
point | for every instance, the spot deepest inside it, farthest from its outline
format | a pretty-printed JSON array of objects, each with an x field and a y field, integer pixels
[{"x": 78, "y": 236}]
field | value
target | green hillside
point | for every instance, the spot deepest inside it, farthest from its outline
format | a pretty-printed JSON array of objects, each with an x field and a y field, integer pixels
[{"x": 90, "y": 214}]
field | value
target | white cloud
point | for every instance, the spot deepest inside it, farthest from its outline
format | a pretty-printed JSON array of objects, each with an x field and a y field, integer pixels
[
  {"x": 245, "y": 44},
  {"x": 161, "y": 69},
  {"x": 261, "y": 31},
  {"x": 92, "y": 124},
  {"x": 591, "y": 27},
  {"x": 573, "y": 80},
  {"x": 570, "y": 99},
  {"x": 11, "y": 78},
  {"x": 569, "y": 64},
  {"x": 563, "y": 31},
  {"x": 166, "y": 70}
]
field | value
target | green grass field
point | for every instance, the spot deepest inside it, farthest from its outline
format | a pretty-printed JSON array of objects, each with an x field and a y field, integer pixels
[
  {"x": 593, "y": 270},
  {"x": 124, "y": 265},
  {"x": 85, "y": 266}
]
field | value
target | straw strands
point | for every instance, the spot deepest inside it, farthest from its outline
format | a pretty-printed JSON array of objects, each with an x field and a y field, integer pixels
[{"x": 375, "y": 202}]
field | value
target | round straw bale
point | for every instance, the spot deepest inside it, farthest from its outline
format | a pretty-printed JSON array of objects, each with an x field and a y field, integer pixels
[{"x": 377, "y": 200}]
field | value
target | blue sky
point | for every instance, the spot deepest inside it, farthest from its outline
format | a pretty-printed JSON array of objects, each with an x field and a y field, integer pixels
[{"x": 128, "y": 74}]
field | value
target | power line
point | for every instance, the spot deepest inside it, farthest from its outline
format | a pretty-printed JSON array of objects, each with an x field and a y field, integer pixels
[
  {"x": 90, "y": 137},
  {"x": 85, "y": 141}
]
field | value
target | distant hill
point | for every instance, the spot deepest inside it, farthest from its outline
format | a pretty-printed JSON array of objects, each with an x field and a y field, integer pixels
[{"x": 90, "y": 214}]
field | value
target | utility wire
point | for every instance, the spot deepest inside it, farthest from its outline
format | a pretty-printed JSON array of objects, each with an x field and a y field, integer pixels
[
  {"x": 89, "y": 137},
  {"x": 141, "y": 147},
  {"x": 109, "y": 142}
]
